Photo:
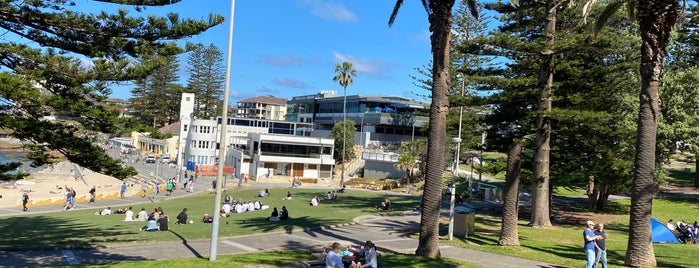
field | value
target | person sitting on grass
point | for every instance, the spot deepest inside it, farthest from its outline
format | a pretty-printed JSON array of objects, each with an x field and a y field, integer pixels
[
  {"x": 128, "y": 215},
  {"x": 142, "y": 215},
  {"x": 385, "y": 205},
  {"x": 369, "y": 253},
  {"x": 274, "y": 216},
  {"x": 182, "y": 217},
  {"x": 288, "y": 196},
  {"x": 163, "y": 222},
  {"x": 314, "y": 201},
  {"x": 285, "y": 214},
  {"x": 151, "y": 225},
  {"x": 207, "y": 218}
]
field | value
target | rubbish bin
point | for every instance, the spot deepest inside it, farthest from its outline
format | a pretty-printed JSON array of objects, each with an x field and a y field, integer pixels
[{"x": 464, "y": 221}]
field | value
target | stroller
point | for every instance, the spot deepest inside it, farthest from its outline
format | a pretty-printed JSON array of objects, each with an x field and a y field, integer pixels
[{"x": 686, "y": 233}]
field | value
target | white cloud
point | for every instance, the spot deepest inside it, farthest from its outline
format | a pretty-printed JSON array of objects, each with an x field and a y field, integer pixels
[
  {"x": 371, "y": 68},
  {"x": 330, "y": 11},
  {"x": 290, "y": 82},
  {"x": 281, "y": 61}
]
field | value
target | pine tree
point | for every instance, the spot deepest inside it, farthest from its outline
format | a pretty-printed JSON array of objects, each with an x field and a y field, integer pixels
[
  {"x": 64, "y": 62},
  {"x": 206, "y": 79}
]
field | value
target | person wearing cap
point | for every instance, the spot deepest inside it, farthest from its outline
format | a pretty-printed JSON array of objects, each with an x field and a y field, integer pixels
[{"x": 589, "y": 238}]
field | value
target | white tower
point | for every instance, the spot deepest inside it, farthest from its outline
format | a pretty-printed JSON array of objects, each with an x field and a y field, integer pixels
[{"x": 186, "y": 117}]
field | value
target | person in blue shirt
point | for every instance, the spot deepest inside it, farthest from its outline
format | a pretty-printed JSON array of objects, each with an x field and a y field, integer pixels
[
  {"x": 589, "y": 237},
  {"x": 333, "y": 259},
  {"x": 151, "y": 225}
]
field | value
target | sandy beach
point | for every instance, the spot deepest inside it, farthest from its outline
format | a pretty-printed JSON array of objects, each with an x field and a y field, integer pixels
[{"x": 47, "y": 186}]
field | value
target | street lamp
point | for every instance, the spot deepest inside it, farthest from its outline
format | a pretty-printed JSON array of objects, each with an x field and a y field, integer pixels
[
  {"x": 458, "y": 146},
  {"x": 454, "y": 171},
  {"x": 222, "y": 148}
]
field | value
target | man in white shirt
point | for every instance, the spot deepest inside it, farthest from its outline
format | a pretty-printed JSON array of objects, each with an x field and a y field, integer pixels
[
  {"x": 226, "y": 208},
  {"x": 106, "y": 211},
  {"x": 128, "y": 215}
]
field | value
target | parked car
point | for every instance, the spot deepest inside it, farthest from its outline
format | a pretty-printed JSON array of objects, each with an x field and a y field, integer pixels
[
  {"x": 150, "y": 159},
  {"x": 166, "y": 158}
]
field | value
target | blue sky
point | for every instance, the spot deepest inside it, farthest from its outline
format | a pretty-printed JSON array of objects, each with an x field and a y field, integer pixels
[{"x": 287, "y": 48}]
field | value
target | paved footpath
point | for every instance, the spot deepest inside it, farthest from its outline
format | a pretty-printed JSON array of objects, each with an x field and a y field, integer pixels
[{"x": 383, "y": 230}]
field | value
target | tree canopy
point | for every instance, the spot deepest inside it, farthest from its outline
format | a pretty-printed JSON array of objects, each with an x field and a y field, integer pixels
[{"x": 63, "y": 63}]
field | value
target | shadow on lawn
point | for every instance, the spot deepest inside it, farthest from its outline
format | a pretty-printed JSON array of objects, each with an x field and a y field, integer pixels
[
  {"x": 30, "y": 232},
  {"x": 26, "y": 242}
]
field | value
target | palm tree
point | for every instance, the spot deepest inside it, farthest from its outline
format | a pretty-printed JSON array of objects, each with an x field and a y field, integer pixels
[
  {"x": 343, "y": 74},
  {"x": 406, "y": 161},
  {"x": 439, "y": 15},
  {"x": 508, "y": 231},
  {"x": 656, "y": 19}
]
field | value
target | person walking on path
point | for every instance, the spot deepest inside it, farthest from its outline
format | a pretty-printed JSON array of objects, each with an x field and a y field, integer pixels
[
  {"x": 590, "y": 238},
  {"x": 600, "y": 246},
  {"x": 92, "y": 194},
  {"x": 25, "y": 200},
  {"x": 144, "y": 188},
  {"x": 123, "y": 190}
]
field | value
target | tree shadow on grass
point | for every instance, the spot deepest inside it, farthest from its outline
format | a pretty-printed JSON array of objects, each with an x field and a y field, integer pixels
[
  {"x": 40, "y": 240},
  {"x": 45, "y": 232}
]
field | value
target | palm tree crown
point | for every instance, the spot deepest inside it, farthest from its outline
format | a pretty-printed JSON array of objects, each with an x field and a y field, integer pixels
[{"x": 344, "y": 72}]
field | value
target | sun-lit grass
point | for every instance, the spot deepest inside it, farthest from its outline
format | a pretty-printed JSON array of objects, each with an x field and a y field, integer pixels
[
  {"x": 83, "y": 228},
  {"x": 287, "y": 258},
  {"x": 562, "y": 244}
]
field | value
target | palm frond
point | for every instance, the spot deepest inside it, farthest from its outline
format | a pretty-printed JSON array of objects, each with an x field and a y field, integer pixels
[
  {"x": 392, "y": 19},
  {"x": 473, "y": 8},
  {"x": 609, "y": 11},
  {"x": 586, "y": 9},
  {"x": 514, "y": 3}
]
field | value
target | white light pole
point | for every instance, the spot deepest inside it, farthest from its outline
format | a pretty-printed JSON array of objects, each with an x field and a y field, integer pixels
[
  {"x": 456, "y": 164},
  {"x": 223, "y": 142},
  {"x": 454, "y": 171}
]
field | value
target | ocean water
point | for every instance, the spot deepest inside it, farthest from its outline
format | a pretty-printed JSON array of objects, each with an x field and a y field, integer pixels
[{"x": 17, "y": 157}]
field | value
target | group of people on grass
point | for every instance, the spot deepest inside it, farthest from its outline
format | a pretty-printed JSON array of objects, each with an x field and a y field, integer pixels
[
  {"x": 241, "y": 206},
  {"x": 685, "y": 232},
  {"x": 355, "y": 256},
  {"x": 156, "y": 220}
]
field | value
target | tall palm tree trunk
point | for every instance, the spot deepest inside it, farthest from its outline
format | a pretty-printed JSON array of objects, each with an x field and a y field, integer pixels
[
  {"x": 541, "y": 193},
  {"x": 508, "y": 232},
  {"x": 656, "y": 18},
  {"x": 344, "y": 135},
  {"x": 440, "y": 25}
]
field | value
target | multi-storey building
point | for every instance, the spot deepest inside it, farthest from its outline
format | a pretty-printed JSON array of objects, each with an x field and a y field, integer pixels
[
  {"x": 263, "y": 107},
  {"x": 271, "y": 155},
  {"x": 378, "y": 118},
  {"x": 200, "y": 139}
]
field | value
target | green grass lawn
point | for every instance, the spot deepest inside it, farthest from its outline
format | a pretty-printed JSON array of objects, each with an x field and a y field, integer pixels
[
  {"x": 82, "y": 228},
  {"x": 562, "y": 244},
  {"x": 284, "y": 259}
]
